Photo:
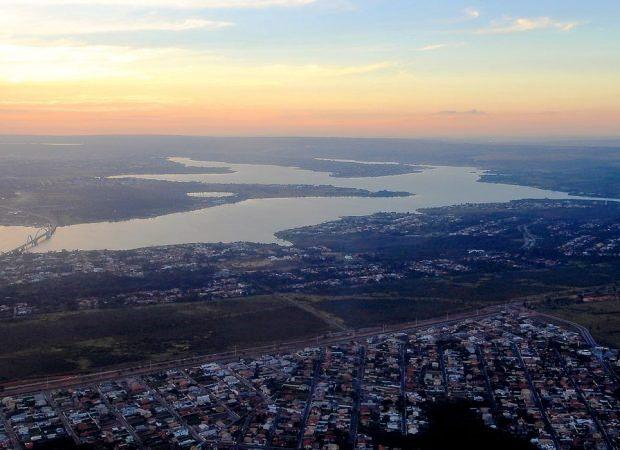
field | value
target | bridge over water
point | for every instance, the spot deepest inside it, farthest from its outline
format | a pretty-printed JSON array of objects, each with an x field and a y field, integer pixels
[{"x": 43, "y": 234}]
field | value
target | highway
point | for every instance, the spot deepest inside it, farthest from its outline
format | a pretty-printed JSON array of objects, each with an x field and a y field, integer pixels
[
  {"x": 73, "y": 380},
  {"x": 325, "y": 340}
]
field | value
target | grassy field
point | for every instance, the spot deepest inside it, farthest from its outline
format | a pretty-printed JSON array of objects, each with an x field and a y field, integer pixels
[
  {"x": 366, "y": 311},
  {"x": 83, "y": 341},
  {"x": 601, "y": 318}
]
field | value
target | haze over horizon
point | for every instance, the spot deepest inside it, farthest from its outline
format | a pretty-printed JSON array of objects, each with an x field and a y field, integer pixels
[{"x": 376, "y": 68}]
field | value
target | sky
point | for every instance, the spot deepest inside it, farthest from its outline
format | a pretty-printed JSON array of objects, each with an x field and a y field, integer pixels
[{"x": 393, "y": 68}]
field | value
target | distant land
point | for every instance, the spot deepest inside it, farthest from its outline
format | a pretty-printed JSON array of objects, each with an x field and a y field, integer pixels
[
  {"x": 65, "y": 178},
  {"x": 103, "y": 308},
  {"x": 274, "y": 293}
]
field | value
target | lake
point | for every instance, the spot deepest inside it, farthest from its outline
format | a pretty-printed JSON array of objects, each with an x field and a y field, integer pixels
[{"x": 257, "y": 220}]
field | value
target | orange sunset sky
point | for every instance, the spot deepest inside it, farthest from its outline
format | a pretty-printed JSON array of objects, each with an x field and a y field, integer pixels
[{"x": 310, "y": 67}]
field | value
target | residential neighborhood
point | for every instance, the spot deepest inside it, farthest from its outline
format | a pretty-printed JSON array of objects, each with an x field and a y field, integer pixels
[
  {"x": 349, "y": 255},
  {"x": 541, "y": 381}
]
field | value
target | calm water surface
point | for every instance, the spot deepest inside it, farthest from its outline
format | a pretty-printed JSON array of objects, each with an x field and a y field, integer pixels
[{"x": 257, "y": 220}]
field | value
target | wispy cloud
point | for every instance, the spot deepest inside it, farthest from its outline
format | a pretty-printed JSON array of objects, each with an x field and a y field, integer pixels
[
  {"x": 45, "y": 60},
  {"x": 176, "y": 4},
  {"x": 32, "y": 18},
  {"x": 68, "y": 61},
  {"x": 432, "y": 47},
  {"x": 471, "y": 13},
  {"x": 329, "y": 70},
  {"x": 524, "y": 24},
  {"x": 465, "y": 15},
  {"x": 34, "y": 26}
]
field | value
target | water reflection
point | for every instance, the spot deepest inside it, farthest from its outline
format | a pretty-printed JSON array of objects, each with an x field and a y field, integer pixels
[{"x": 257, "y": 220}]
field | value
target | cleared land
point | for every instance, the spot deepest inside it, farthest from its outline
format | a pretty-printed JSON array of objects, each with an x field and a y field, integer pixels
[
  {"x": 82, "y": 341},
  {"x": 365, "y": 311}
]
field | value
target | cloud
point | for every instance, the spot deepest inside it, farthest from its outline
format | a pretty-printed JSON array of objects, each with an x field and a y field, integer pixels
[
  {"x": 314, "y": 70},
  {"x": 471, "y": 13},
  {"x": 53, "y": 18},
  {"x": 465, "y": 16},
  {"x": 524, "y": 24},
  {"x": 60, "y": 27},
  {"x": 63, "y": 61},
  {"x": 431, "y": 47},
  {"x": 469, "y": 112},
  {"x": 174, "y": 4},
  {"x": 42, "y": 60}
]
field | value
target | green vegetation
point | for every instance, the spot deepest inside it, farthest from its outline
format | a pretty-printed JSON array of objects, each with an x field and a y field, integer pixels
[
  {"x": 451, "y": 233},
  {"x": 82, "y": 341},
  {"x": 601, "y": 318},
  {"x": 369, "y": 311},
  {"x": 68, "y": 183},
  {"x": 85, "y": 199},
  {"x": 591, "y": 180},
  {"x": 355, "y": 273}
]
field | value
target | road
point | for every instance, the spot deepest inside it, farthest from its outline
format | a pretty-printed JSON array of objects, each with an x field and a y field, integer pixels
[
  {"x": 315, "y": 379},
  {"x": 321, "y": 315},
  {"x": 485, "y": 372},
  {"x": 95, "y": 378},
  {"x": 359, "y": 379},
  {"x": 61, "y": 415},
  {"x": 536, "y": 397},
  {"x": 529, "y": 240},
  {"x": 587, "y": 336},
  {"x": 10, "y": 432},
  {"x": 402, "y": 362},
  {"x": 582, "y": 398},
  {"x": 148, "y": 368}
]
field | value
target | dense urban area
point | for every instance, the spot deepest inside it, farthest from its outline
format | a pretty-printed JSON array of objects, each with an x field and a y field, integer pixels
[{"x": 515, "y": 379}]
